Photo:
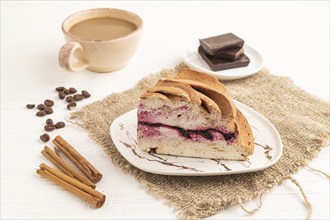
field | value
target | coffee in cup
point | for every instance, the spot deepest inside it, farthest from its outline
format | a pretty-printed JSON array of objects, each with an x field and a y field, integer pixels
[{"x": 102, "y": 40}]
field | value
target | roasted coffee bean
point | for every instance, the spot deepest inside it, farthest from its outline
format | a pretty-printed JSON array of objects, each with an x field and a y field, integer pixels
[
  {"x": 41, "y": 106},
  {"x": 60, "y": 89},
  {"x": 61, "y": 95},
  {"x": 69, "y": 99},
  {"x": 44, "y": 137},
  {"x": 78, "y": 97},
  {"x": 85, "y": 94},
  {"x": 30, "y": 106},
  {"x": 49, "y": 121},
  {"x": 49, "y": 127},
  {"x": 66, "y": 91},
  {"x": 48, "y": 110},
  {"x": 71, "y": 105},
  {"x": 59, "y": 125},
  {"x": 72, "y": 90},
  {"x": 49, "y": 102},
  {"x": 41, "y": 113}
]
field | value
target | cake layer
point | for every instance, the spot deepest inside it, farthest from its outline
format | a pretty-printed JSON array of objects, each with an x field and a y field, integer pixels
[
  {"x": 175, "y": 141},
  {"x": 187, "y": 115}
]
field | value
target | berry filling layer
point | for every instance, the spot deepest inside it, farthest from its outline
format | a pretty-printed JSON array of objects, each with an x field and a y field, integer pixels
[{"x": 151, "y": 130}]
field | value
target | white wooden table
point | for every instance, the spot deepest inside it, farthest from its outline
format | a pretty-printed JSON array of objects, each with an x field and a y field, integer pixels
[{"x": 293, "y": 38}]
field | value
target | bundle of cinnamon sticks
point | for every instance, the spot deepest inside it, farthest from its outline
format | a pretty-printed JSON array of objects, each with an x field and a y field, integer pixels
[{"x": 70, "y": 179}]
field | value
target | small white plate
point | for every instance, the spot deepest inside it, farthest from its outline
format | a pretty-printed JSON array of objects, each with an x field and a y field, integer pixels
[
  {"x": 192, "y": 59},
  {"x": 268, "y": 149}
]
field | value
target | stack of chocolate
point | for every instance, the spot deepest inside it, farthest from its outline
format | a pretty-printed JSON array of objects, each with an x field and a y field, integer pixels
[{"x": 223, "y": 52}]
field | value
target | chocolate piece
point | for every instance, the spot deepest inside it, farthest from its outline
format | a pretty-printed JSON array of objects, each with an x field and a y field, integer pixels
[
  {"x": 230, "y": 54},
  {"x": 217, "y": 64},
  {"x": 213, "y": 45}
]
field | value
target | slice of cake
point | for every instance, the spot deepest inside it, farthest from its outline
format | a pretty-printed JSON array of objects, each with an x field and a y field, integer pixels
[{"x": 193, "y": 115}]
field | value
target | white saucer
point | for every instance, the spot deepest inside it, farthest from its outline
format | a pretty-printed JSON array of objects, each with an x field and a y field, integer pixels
[{"x": 192, "y": 59}]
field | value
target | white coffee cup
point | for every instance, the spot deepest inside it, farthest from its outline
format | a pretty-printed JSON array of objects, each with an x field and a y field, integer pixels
[{"x": 96, "y": 52}]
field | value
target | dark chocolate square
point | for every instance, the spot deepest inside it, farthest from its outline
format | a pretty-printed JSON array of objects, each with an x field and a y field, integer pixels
[
  {"x": 217, "y": 64},
  {"x": 230, "y": 54},
  {"x": 212, "y": 45}
]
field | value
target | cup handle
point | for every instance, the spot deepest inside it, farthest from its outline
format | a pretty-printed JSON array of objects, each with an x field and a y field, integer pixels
[{"x": 66, "y": 54}]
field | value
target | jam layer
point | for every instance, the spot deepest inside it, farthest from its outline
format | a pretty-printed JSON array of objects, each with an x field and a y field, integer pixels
[{"x": 208, "y": 134}]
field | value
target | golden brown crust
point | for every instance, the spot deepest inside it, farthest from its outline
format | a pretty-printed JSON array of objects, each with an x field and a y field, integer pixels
[
  {"x": 156, "y": 95},
  {"x": 188, "y": 89},
  {"x": 245, "y": 135}
]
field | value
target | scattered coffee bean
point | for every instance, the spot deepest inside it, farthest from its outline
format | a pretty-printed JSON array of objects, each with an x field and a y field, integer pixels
[
  {"x": 48, "y": 110},
  {"x": 41, "y": 113},
  {"x": 85, "y": 94},
  {"x": 59, "y": 125},
  {"x": 30, "y": 106},
  {"x": 44, "y": 137},
  {"x": 71, "y": 105},
  {"x": 78, "y": 97},
  {"x": 49, "y": 102},
  {"x": 61, "y": 95},
  {"x": 60, "y": 89},
  {"x": 69, "y": 99},
  {"x": 49, "y": 121},
  {"x": 41, "y": 106},
  {"x": 66, "y": 91},
  {"x": 72, "y": 90},
  {"x": 49, "y": 127}
]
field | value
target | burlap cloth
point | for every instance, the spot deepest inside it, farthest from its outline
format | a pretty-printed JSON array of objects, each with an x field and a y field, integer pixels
[{"x": 302, "y": 120}]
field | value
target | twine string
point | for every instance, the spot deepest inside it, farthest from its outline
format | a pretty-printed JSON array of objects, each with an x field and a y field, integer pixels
[
  {"x": 251, "y": 212},
  {"x": 306, "y": 201},
  {"x": 318, "y": 171}
]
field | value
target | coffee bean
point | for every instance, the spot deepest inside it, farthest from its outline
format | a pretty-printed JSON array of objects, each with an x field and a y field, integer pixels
[
  {"x": 41, "y": 106},
  {"x": 49, "y": 127},
  {"x": 61, "y": 95},
  {"x": 49, "y": 121},
  {"x": 44, "y": 137},
  {"x": 66, "y": 91},
  {"x": 78, "y": 97},
  {"x": 48, "y": 110},
  {"x": 59, "y": 125},
  {"x": 72, "y": 90},
  {"x": 60, "y": 89},
  {"x": 49, "y": 102},
  {"x": 85, "y": 94},
  {"x": 69, "y": 99},
  {"x": 30, "y": 106},
  {"x": 71, "y": 105},
  {"x": 41, "y": 113}
]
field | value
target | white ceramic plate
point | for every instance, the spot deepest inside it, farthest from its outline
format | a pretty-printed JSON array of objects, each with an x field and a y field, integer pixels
[
  {"x": 192, "y": 59},
  {"x": 268, "y": 149}
]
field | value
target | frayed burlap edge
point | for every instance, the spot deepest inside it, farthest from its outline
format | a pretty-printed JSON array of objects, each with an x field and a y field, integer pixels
[{"x": 277, "y": 98}]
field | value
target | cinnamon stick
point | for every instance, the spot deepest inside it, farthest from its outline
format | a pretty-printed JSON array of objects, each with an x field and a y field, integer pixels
[
  {"x": 90, "y": 195},
  {"x": 77, "y": 159},
  {"x": 65, "y": 167}
]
